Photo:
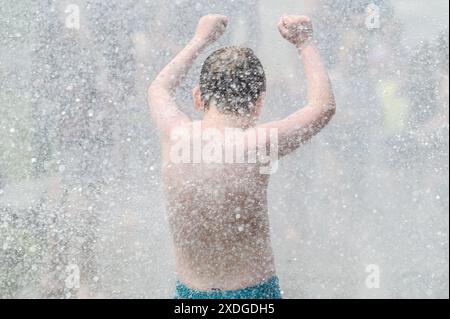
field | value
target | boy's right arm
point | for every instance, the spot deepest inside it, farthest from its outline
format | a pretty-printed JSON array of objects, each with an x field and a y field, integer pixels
[
  {"x": 301, "y": 126},
  {"x": 164, "y": 110}
]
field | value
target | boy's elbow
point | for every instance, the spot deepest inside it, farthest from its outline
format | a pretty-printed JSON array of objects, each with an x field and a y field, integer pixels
[
  {"x": 153, "y": 89},
  {"x": 158, "y": 88},
  {"x": 151, "y": 93}
]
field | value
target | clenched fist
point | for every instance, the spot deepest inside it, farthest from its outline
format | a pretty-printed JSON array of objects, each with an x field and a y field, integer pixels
[
  {"x": 296, "y": 29},
  {"x": 211, "y": 27}
]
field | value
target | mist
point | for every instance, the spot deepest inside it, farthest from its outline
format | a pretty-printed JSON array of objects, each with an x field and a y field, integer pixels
[{"x": 361, "y": 211}]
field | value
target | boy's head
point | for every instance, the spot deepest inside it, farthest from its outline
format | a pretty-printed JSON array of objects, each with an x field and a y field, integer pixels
[{"x": 233, "y": 81}]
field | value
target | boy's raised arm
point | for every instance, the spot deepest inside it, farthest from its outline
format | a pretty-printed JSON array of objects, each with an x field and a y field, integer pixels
[
  {"x": 164, "y": 110},
  {"x": 308, "y": 121}
]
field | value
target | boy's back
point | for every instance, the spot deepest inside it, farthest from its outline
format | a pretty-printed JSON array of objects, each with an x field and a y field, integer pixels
[
  {"x": 219, "y": 221},
  {"x": 218, "y": 212}
]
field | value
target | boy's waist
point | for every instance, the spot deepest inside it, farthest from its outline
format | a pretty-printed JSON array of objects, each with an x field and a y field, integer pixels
[
  {"x": 226, "y": 271},
  {"x": 266, "y": 289}
]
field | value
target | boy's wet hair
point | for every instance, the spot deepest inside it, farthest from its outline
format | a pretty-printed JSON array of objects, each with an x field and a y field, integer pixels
[{"x": 232, "y": 79}]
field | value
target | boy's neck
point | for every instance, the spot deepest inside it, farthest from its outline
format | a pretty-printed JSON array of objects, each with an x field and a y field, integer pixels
[{"x": 214, "y": 118}]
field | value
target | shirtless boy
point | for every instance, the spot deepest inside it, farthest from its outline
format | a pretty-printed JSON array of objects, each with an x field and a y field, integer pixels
[{"x": 218, "y": 213}]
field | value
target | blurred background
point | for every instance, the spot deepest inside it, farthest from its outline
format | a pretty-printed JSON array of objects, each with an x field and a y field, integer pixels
[{"x": 82, "y": 211}]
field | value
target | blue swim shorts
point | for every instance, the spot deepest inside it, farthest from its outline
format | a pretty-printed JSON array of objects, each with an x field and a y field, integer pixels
[{"x": 267, "y": 290}]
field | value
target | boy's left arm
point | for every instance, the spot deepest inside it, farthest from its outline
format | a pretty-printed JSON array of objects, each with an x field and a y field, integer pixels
[{"x": 164, "y": 110}]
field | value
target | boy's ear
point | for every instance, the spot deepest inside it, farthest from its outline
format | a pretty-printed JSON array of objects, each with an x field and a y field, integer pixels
[{"x": 198, "y": 102}]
